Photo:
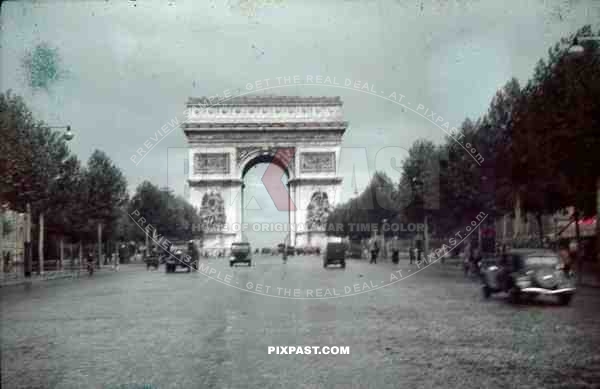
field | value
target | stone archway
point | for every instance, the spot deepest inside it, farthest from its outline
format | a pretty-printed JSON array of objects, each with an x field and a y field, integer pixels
[{"x": 302, "y": 135}]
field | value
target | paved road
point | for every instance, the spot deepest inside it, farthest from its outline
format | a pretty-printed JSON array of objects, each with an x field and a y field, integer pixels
[{"x": 429, "y": 330}]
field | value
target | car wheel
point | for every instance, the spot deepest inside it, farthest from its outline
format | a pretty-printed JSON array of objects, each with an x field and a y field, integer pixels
[
  {"x": 325, "y": 265},
  {"x": 343, "y": 265},
  {"x": 565, "y": 299},
  {"x": 487, "y": 292},
  {"x": 230, "y": 264}
]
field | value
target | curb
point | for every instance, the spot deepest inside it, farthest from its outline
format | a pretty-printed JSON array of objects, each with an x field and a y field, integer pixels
[{"x": 37, "y": 279}]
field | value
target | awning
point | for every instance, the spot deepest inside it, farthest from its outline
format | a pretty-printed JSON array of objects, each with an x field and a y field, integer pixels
[{"x": 587, "y": 228}]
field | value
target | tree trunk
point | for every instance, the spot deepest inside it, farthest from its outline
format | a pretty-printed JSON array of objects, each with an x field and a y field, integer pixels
[
  {"x": 538, "y": 217},
  {"x": 28, "y": 249},
  {"x": 426, "y": 238},
  {"x": 517, "y": 220},
  {"x": 597, "y": 221},
  {"x": 578, "y": 256},
  {"x": 147, "y": 250},
  {"x": 99, "y": 245},
  {"x": 41, "y": 245},
  {"x": 62, "y": 253},
  {"x": 504, "y": 228},
  {"x": 2, "y": 241}
]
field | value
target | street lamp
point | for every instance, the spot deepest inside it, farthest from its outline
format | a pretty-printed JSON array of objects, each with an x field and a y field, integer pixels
[
  {"x": 576, "y": 48},
  {"x": 68, "y": 135},
  {"x": 383, "y": 230},
  {"x": 417, "y": 185}
]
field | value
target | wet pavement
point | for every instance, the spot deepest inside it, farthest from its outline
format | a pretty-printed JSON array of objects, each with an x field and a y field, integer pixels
[{"x": 139, "y": 328}]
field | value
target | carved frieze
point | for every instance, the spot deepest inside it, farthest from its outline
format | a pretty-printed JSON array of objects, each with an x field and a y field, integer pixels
[
  {"x": 212, "y": 211},
  {"x": 317, "y": 162},
  {"x": 318, "y": 211},
  {"x": 211, "y": 163},
  {"x": 242, "y": 137}
]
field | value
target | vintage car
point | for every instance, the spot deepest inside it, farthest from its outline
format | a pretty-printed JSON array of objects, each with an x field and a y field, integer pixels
[
  {"x": 291, "y": 250},
  {"x": 335, "y": 253},
  {"x": 181, "y": 256},
  {"x": 528, "y": 272},
  {"x": 241, "y": 252},
  {"x": 152, "y": 260}
]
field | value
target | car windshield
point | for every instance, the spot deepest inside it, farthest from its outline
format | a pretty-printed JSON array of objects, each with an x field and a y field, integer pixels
[{"x": 541, "y": 261}]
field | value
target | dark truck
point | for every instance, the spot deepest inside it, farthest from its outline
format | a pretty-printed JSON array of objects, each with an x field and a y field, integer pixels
[
  {"x": 152, "y": 259},
  {"x": 241, "y": 252},
  {"x": 177, "y": 256},
  {"x": 335, "y": 253}
]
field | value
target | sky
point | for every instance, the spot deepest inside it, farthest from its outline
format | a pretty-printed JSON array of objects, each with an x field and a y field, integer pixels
[{"x": 119, "y": 70}]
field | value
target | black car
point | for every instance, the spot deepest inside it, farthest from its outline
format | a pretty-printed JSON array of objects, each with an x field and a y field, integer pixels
[
  {"x": 241, "y": 252},
  {"x": 335, "y": 253},
  {"x": 528, "y": 272},
  {"x": 176, "y": 257},
  {"x": 152, "y": 260}
]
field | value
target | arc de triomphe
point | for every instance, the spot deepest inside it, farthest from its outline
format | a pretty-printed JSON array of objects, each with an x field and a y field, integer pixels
[{"x": 302, "y": 135}]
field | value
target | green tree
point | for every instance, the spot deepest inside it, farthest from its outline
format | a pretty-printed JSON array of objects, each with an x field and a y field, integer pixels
[
  {"x": 106, "y": 193},
  {"x": 556, "y": 135}
]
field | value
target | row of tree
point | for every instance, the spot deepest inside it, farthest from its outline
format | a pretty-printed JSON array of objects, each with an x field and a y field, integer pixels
[
  {"x": 536, "y": 150},
  {"x": 170, "y": 216},
  {"x": 72, "y": 201}
]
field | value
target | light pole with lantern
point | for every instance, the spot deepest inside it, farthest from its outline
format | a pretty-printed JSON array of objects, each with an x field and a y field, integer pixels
[
  {"x": 417, "y": 186},
  {"x": 576, "y": 49}
]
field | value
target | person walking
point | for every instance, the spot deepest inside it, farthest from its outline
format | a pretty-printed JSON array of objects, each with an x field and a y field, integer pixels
[
  {"x": 411, "y": 253},
  {"x": 374, "y": 251},
  {"x": 115, "y": 261},
  {"x": 395, "y": 250}
]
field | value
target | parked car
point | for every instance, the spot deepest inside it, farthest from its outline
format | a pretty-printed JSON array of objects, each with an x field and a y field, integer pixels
[
  {"x": 152, "y": 261},
  {"x": 310, "y": 250},
  {"x": 528, "y": 272},
  {"x": 335, "y": 253},
  {"x": 291, "y": 250},
  {"x": 241, "y": 252}
]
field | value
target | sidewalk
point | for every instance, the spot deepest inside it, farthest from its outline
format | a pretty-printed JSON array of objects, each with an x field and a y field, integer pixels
[{"x": 13, "y": 279}]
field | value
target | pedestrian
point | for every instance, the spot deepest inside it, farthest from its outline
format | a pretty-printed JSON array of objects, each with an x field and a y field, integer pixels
[
  {"x": 374, "y": 250},
  {"x": 565, "y": 257},
  {"x": 395, "y": 250},
  {"x": 411, "y": 254},
  {"x": 574, "y": 258}
]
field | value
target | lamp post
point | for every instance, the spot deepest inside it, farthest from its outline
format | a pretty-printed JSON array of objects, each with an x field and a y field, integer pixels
[
  {"x": 577, "y": 49},
  {"x": 67, "y": 136},
  {"x": 417, "y": 185},
  {"x": 383, "y": 231}
]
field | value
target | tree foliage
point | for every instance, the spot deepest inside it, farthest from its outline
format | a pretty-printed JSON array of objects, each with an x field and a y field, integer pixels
[{"x": 171, "y": 216}]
